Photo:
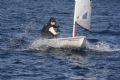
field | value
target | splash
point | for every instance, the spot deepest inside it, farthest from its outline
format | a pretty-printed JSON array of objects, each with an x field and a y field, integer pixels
[
  {"x": 39, "y": 44},
  {"x": 102, "y": 46},
  {"x": 18, "y": 39}
]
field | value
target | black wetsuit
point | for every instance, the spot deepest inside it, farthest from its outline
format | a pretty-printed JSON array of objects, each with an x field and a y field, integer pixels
[{"x": 45, "y": 33}]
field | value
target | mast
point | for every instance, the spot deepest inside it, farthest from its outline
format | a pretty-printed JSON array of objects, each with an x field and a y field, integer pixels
[{"x": 74, "y": 27}]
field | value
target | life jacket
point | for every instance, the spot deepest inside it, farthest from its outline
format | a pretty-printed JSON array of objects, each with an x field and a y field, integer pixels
[
  {"x": 45, "y": 29},
  {"x": 45, "y": 33}
]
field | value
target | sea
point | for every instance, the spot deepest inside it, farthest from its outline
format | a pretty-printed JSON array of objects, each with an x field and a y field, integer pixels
[{"x": 21, "y": 22}]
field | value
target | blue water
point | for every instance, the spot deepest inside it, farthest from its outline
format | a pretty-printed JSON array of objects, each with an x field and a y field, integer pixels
[{"x": 20, "y": 25}]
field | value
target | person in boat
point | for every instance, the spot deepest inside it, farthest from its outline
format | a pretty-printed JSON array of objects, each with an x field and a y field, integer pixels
[{"x": 50, "y": 30}]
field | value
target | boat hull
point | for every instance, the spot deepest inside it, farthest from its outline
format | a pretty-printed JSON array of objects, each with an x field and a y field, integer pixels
[{"x": 76, "y": 42}]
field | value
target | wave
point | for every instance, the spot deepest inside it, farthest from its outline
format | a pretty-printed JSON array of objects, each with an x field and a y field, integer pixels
[
  {"x": 92, "y": 45},
  {"x": 102, "y": 46},
  {"x": 95, "y": 45},
  {"x": 39, "y": 44}
]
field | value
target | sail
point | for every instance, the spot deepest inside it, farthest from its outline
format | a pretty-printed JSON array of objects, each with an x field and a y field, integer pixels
[{"x": 82, "y": 15}]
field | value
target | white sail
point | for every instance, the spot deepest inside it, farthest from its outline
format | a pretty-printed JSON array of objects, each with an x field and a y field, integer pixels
[{"x": 82, "y": 15}]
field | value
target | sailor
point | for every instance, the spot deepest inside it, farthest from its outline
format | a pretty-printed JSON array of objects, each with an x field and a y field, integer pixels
[{"x": 50, "y": 30}]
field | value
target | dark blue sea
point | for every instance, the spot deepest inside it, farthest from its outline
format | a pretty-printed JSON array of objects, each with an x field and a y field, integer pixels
[{"x": 20, "y": 25}]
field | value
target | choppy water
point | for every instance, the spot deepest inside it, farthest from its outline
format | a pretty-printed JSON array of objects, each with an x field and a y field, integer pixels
[{"x": 20, "y": 24}]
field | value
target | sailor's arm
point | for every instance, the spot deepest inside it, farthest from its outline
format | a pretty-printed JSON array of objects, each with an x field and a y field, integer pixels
[{"x": 53, "y": 31}]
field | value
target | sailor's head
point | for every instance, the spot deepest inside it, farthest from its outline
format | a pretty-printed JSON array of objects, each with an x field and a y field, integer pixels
[{"x": 52, "y": 21}]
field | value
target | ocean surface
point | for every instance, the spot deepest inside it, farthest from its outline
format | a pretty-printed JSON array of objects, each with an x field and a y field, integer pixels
[{"x": 20, "y": 25}]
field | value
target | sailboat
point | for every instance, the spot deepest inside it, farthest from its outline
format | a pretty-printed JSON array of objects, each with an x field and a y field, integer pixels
[{"x": 82, "y": 17}]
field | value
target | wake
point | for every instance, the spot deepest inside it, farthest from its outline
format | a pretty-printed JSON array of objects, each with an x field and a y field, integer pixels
[
  {"x": 39, "y": 44},
  {"x": 43, "y": 45},
  {"x": 102, "y": 46}
]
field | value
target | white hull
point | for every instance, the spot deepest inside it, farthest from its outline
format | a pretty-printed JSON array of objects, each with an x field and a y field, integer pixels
[
  {"x": 72, "y": 43},
  {"x": 77, "y": 42}
]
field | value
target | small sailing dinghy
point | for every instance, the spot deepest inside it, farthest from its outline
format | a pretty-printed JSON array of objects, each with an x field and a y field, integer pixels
[{"x": 82, "y": 17}]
